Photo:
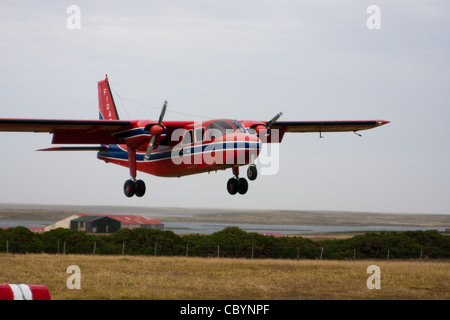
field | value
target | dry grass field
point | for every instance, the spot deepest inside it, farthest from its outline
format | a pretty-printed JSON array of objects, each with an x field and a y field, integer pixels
[{"x": 179, "y": 278}]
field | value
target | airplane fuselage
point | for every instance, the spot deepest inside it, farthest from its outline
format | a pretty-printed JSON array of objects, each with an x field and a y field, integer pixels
[{"x": 199, "y": 147}]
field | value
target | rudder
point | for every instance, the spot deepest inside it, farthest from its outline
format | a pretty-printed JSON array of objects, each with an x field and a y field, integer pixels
[{"x": 106, "y": 105}]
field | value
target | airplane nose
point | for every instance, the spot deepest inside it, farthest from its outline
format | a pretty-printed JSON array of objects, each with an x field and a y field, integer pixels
[
  {"x": 242, "y": 148},
  {"x": 254, "y": 145},
  {"x": 254, "y": 141},
  {"x": 258, "y": 144}
]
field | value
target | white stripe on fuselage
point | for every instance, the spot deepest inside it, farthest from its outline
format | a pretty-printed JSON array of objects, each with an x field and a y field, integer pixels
[{"x": 206, "y": 148}]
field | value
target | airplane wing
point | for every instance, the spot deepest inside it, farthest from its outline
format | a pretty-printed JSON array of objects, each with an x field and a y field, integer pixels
[
  {"x": 327, "y": 126},
  {"x": 310, "y": 126},
  {"x": 72, "y": 131},
  {"x": 89, "y": 131}
]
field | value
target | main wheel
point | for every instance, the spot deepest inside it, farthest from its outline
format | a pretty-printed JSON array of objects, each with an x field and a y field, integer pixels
[
  {"x": 140, "y": 188},
  {"x": 129, "y": 188},
  {"x": 243, "y": 186},
  {"x": 232, "y": 186},
  {"x": 252, "y": 172}
]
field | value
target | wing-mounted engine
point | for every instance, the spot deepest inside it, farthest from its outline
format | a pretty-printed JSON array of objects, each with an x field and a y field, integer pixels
[
  {"x": 145, "y": 135},
  {"x": 263, "y": 130},
  {"x": 156, "y": 131}
]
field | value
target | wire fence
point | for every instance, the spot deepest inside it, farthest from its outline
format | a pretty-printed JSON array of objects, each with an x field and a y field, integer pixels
[
  {"x": 231, "y": 242},
  {"x": 221, "y": 251}
]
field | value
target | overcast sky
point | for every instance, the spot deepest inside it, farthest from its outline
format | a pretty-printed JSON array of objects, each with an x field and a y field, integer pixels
[{"x": 312, "y": 60}]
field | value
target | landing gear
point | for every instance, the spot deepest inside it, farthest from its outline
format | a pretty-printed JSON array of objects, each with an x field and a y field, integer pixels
[
  {"x": 132, "y": 187},
  {"x": 236, "y": 184}
]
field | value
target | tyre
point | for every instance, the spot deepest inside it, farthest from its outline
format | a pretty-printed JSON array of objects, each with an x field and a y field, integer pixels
[
  {"x": 252, "y": 172},
  {"x": 243, "y": 186},
  {"x": 232, "y": 186},
  {"x": 140, "y": 188},
  {"x": 129, "y": 188}
]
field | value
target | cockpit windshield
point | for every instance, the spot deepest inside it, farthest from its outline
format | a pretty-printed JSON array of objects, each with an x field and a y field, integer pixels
[
  {"x": 238, "y": 125},
  {"x": 221, "y": 127}
]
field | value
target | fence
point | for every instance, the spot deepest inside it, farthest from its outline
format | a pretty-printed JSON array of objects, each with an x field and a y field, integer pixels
[
  {"x": 230, "y": 242},
  {"x": 221, "y": 251}
]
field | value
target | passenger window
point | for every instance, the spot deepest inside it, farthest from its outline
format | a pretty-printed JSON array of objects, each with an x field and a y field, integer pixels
[
  {"x": 199, "y": 134},
  {"x": 187, "y": 137}
]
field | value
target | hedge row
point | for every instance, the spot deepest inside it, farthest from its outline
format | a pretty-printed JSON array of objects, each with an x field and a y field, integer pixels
[{"x": 230, "y": 242}]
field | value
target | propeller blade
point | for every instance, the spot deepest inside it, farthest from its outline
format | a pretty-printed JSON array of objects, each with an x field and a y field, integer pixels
[
  {"x": 163, "y": 112},
  {"x": 150, "y": 147},
  {"x": 151, "y": 144},
  {"x": 274, "y": 119}
]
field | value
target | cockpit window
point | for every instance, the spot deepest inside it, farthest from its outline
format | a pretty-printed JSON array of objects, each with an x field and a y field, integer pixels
[
  {"x": 238, "y": 125},
  {"x": 221, "y": 127}
]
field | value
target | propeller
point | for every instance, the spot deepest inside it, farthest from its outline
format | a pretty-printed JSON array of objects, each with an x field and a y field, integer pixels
[
  {"x": 274, "y": 119},
  {"x": 265, "y": 128},
  {"x": 156, "y": 130}
]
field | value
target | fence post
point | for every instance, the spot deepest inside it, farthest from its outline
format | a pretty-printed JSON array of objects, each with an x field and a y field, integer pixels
[
  {"x": 7, "y": 246},
  {"x": 321, "y": 253},
  {"x": 64, "y": 247},
  {"x": 387, "y": 259},
  {"x": 252, "y": 251},
  {"x": 58, "y": 246},
  {"x": 187, "y": 249},
  {"x": 298, "y": 253},
  {"x": 354, "y": 254},
  {"x": 218, "y": 251},
  {"x": 95, "y": 245},
  {"x": 123, "y": 247}
]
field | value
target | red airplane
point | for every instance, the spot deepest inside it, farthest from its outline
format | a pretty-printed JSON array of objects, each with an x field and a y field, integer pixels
[{"x": 174, "y": 148}]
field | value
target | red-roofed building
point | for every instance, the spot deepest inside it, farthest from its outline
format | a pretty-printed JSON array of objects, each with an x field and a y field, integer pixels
[
  {"x": 131, "y": 221},
  {"x": 126, "y": 221}
]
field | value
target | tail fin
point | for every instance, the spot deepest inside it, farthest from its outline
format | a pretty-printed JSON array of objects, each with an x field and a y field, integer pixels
[{"x": 106, "y": 105}]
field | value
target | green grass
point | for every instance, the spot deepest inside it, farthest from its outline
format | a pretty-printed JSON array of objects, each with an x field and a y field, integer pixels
[{"x": 176, "y": 278}]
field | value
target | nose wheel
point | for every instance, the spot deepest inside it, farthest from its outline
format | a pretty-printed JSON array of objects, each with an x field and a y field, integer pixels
[
  {"x": 252, "y": 172},
  {"x": 134, "y": 188}
]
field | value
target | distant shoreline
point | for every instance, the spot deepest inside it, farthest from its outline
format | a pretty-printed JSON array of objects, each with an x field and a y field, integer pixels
[{"x": 217, "y": 215}]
